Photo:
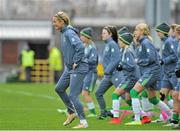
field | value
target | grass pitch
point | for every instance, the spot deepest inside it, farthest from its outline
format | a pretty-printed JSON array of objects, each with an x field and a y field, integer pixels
[{"x": 34, "y": 107}]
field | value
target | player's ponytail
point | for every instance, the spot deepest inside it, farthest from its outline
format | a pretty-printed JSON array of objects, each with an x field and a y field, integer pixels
[
  {"x": 112, "y": 30},
  {"x": 63, "y": 16},
  {"x": 146, "y": 31},
  {"x": 177, "y": 29}
]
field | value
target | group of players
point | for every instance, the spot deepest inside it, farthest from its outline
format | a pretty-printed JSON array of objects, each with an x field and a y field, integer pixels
[{"x": 131, "y": 63}]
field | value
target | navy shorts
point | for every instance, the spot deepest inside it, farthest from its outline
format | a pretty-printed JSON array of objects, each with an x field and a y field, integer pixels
[
  {"x": 169, "y": 81},
  {"x": 127, "y": 83},
  {"x": 90, "y": 81},
  {"x": 116, "y": 78},
  {"x": 149, "y": 80}
]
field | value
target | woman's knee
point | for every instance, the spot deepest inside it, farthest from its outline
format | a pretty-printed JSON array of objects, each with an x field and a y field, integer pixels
[
  {"x": 151, "y": 93},
  {"x": 179, "y": 96},
  {"x": 97, "y": 94},
  {"x": 59, "y": 90},
  {"x": 175, "y": 95},
  {"x": 85, "y": 93},
  {"x": 119, "y": 91}
]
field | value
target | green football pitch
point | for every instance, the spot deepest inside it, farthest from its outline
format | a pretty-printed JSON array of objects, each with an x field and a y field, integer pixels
[{"x": 34, "y": 107}]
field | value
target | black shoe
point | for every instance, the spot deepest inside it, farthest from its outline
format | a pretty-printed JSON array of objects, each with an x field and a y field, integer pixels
[
  {"x": 133, "y": 118},
  {"x": 176, "y": 125},
  {"x": 108, "y": 113},
  {"x": 174, "y": 121},
  {"x": 102, "y": 116}
]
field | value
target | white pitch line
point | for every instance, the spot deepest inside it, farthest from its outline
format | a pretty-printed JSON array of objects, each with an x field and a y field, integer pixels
[
  {"x": 31, "y": 94},
  {"x": 24, "y": 93},
  {"x": 40, "y": 109},
  {"x": 48, "y": 97},
  {"x": 28, "y": 94}
]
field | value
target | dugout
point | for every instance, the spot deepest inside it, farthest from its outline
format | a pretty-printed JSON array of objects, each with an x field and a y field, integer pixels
[{"x": 16, "y": 35}]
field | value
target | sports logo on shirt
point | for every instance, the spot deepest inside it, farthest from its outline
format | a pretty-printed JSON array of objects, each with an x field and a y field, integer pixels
[
  {"x": 136, "y": 60},
  {"x": 73, "y": 39},
  {"x": 64, "y": 39},
  {"x": 119, "y": 85},
  {"x": 86, "y": 51},
  {"x": 106, "y": 48},
  {"x": 148, "y": 50},
  {"x": 74, "y": 75},
  {"x": 112, "y": 50},
  {"x": 140, "y": 80},
  {"x": 163, "y": 47},
  {"x": 140, "y": 48},
  {"x": 172, "y": 47}
]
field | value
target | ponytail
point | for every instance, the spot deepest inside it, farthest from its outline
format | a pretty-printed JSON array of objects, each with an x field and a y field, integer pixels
[
  {"x": 112, "y": 30},
  {"x": 173, "y": 27},
  {"x": 177, "y": 29},
  {"x": 63, "y": 16},
  {"x": 146, "y": 31},
  {"x": 150, "y": 38}
]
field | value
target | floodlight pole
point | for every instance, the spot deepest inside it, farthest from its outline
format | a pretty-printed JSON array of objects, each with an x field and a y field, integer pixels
[{"x": 156, "y": 12}]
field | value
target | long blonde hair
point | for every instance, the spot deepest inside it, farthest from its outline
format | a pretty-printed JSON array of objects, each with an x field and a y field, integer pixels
[
  {"x": 173, "y": 27},
  {"x": 177, "y": 29},
  {"x": 63, "y": 16},
  {"x": 145, "y": 29}
]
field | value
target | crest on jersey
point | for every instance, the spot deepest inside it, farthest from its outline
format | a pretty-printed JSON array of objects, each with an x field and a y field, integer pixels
[
  {"x": 74, "y": 75},
  {"x": 73, "y": 39},
  {"x": 106, "y": 48},
  {"x": 163, "y": 47},
  {"x": 172, "y": 47},
  {"x": 148, "y": 50},
  {"x": 112, "y": 50},
  {"x": 140, "y": 48},
  {"x": 64, "y": 39},
  {"x": 86, "y": 51}
]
